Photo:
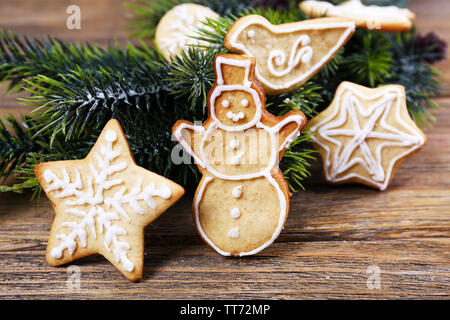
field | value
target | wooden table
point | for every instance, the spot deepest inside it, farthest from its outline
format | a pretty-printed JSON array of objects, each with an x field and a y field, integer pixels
[{"x": 335, "y": 238}]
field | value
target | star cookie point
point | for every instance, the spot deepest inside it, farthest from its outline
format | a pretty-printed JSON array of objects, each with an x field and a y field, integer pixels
[{"x": 103, "y": 202}]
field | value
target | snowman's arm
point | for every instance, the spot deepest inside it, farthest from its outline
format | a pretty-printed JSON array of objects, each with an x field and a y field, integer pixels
[
  {"x": 190, "y": 138},
  {"x": 289, "y": 128}
]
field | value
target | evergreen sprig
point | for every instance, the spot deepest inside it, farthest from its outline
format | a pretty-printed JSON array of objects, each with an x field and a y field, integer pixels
[
  {"x": 419, "y": 78},
  {"x": 296, "y": 160},
  {"x": 29, "y": 57},
  {"x": 15, "y": 143},
  {"x": 370, "y": 59},
  {"x": 189, "y": 79},
  {"x": 21, "y": 150}
]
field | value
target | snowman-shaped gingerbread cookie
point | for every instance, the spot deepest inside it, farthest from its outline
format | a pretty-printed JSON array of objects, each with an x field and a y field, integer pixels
[{"x": 242, "y": 201}]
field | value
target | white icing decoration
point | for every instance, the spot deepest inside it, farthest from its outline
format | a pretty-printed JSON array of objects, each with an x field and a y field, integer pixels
[
  {"x": 234, "y": 144},
  {"x": 235, "y": 117},
  {"x": 244, "y": 103},
  {"x": 235, "y": 213},
  {"x": 100, "y": 213},
  {"x": 237, "y": 191},
  {"x": 202, "y": 160},
  {"x": 273, "y": 131},
  {"x": 354, "y": 8},
  {"x": 265, "y": 173},
  {"x": 303, "y": 55},
  {"x": 246, "y": 86},
  {"x": 251, "y": 33},
  {"x": 349, "y": 26},
  {"x": 233, "y": 233},
  {"x": 236, "y": 160},
  {"x": 376, "y": 114},
  {"x": 225, "y": 103}
]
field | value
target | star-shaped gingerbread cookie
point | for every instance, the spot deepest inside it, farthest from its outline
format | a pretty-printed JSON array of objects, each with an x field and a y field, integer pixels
[
  {"x": 103, "y": 202},
  {"x": 364, "y": 134}
]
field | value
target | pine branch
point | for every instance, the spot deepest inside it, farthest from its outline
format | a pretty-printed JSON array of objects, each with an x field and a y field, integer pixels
[
  {"x": 215, "y": 30},
  {"x": 189, "y": 79},
  {"x": 306, "y": 98},
  {"x": 275, "y": 16},
  {"x": 89, "y": 97},
  {"x": 15, "y": 143},
  {"x": 418, "y": 77},
  {"x": 20, "y": 152},
  {"x": 22, "y": 59},
  {"x": 370, "y": 60},
  {"x": 295, "y": 162},
  {"x": 145, "y": 14}
]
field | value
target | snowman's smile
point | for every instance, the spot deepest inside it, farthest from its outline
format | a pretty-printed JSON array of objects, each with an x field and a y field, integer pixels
[{"x": 235, "y": 116}]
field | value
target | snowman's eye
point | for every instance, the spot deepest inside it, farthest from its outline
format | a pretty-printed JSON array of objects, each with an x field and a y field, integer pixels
[
  {"x": 251, "y": 34},
  {"x": 225, "y": 103},
  {"x": 244, "y": 102}
]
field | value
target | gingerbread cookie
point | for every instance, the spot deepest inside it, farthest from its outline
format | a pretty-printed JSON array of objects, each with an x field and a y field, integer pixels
[
  {"x": 176, "y": 28},
  {"x": 365, "y": 134},
  {"x": 242, "y": 200},
  {"x": 386, "y": 18},
  {"x": 103, "y": 203},
  {"x": 287, "y": 55}
]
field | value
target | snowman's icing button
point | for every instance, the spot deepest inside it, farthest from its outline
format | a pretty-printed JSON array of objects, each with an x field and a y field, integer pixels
[
  {"x": 233, "y": 233},
  {"x": 235, "y": 213},
  {"x": 237, "y": 192},
  {"x": 234, "y": 144},
  {"x": 236, "y": 160}
]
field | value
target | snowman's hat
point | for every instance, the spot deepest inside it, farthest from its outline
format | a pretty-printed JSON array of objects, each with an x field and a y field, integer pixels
[{"x": 233, "y": 69}]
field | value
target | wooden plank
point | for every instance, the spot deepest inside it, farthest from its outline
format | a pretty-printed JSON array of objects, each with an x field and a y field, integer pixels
[
  {"x": 101, "y": 20},
  {"x": 298, "y": 270}
]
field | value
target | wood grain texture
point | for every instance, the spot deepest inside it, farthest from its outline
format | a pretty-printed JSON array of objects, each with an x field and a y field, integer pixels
[{"x": 332, "y": 234}]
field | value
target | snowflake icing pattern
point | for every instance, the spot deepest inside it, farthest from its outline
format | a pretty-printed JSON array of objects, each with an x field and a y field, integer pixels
[{"x": 104, "y": 211}]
